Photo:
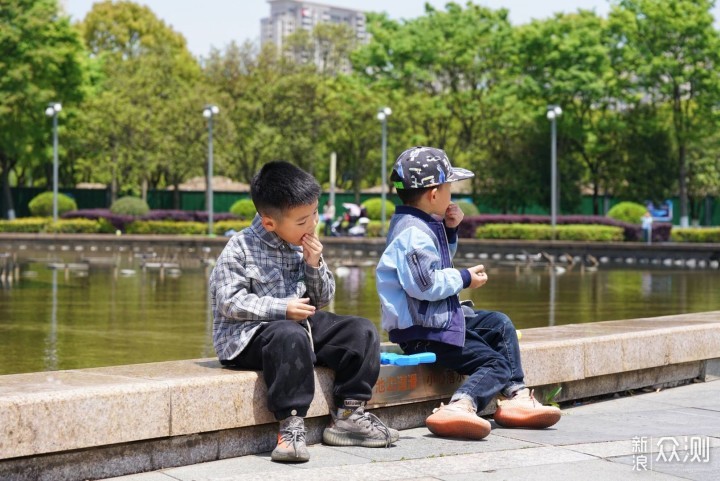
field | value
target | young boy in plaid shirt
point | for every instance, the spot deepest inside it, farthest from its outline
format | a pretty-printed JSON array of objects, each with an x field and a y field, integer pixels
[{"x": 267, "y": 288}]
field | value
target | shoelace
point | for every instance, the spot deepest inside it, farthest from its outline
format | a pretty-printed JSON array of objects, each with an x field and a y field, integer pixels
[
  {"x": 292, "y": 434},
  {"x": 454, "y": 406},
  {"x": 374, "y": 421},
  {"x": 531, "y": 398}
]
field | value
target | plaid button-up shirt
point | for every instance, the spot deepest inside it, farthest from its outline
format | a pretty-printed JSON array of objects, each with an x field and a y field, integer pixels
[{"x": 254, "y": 278}]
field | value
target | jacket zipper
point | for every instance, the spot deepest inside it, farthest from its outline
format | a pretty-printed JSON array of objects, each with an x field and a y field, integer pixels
[{"x": 421, "y": 274}]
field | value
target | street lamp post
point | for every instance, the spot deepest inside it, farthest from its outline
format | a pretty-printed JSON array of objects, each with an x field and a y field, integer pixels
[
  {"x": 52, "y": 110},
  {"x": 209, "y": 112},
  {"x": 553, "y": 112},
  {"x": 383, "y": 114}
]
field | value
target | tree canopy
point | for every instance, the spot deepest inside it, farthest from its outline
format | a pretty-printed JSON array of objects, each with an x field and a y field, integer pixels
[{"x": 639, "y": 92}]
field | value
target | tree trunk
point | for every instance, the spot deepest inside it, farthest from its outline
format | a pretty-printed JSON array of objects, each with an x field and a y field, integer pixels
[
  {"x": 6, "y": 196},
  {"x": 684, "y": 221},
  {"x": 144, "y": 189},
  {"x": 176, "y": 196}
]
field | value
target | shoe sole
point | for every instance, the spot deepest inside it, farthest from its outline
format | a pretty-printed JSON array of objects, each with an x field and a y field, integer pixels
[
  {"x": 288, "y": 458},
  {"x": 343, "y": 438},
  {"x": 458, "y": 426},
  {"x": 527, "y": 418}
]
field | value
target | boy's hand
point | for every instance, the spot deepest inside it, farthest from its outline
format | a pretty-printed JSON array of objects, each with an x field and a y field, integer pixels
[
  {"x": 453, "y": 216},
  {"x": 478, "y": 278},
  {"x": 312, "y": 249},
  {"x": 299, "y": 309}
]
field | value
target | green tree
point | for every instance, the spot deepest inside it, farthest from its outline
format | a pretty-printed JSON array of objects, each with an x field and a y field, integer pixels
[
  {"x": 147, "y": 73},
  {"x": 675, "y": 59},
  {"x": 567, "y": 60},
  {"x": 354, "y": 133},
  {"x": 42, "y": 61},
  {"x": 452, "y": 68}
]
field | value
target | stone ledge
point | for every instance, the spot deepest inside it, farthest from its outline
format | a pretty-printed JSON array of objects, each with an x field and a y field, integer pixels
[{"x": 54, "y": 412}]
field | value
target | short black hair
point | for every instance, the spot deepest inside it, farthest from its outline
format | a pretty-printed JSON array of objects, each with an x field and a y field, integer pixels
[
  {"x": 280, "y": 186},
  {"x": 409, "y": 196}
]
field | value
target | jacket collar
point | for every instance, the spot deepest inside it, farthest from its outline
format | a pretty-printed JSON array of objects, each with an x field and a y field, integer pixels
[{"x": 415, "y": 212}]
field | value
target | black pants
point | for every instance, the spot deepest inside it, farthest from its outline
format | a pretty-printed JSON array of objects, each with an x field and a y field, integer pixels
[{"x": 348, "y": 345}]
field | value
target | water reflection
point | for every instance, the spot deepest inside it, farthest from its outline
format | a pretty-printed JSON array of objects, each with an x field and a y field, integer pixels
[
  {"x": 209, "y": 349},
  {"x": 106, "y": 319},
  {"x": 553, "y": 289},
  {"x": 51, "y": 352}
]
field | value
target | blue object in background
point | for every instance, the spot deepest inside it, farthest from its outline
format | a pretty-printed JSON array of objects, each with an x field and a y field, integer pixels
[{"x": 407, "y": 359}]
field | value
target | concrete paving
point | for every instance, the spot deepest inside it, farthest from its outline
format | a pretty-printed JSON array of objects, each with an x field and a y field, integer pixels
[{"x": 673, "y": 434}]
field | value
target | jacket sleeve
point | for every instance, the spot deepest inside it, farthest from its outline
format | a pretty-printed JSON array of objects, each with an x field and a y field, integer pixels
[
  {"x": 231, "y": 287},
  {"x": 418, "y": 266},
  {"x": 452, "y": 237},
  {"x": 320, "y": 284}
]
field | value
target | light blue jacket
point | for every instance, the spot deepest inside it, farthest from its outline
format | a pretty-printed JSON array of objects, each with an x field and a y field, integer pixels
[{"x": 417, "y": 284}]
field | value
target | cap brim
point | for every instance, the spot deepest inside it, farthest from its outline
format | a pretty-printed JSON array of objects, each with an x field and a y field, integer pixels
[{"x": 458, "y": 173}]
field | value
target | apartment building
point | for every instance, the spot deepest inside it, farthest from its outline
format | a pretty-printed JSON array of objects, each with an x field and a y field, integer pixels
[{"x": 289, "y": 16}]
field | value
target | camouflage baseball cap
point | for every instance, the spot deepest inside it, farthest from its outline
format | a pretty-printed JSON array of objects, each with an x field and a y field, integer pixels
[{"x": 420, "y": 167}]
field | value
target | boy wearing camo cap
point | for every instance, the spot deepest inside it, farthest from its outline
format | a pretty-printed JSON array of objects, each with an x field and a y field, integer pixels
[{"x": 421, "y": 310}]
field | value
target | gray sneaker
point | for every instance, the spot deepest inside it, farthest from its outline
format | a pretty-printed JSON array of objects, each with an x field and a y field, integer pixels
[
  {"x": 291, "y": 447},
  {"x": 359, "y": 429}
]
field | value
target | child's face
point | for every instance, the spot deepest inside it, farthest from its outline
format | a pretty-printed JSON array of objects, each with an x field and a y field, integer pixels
[
  {"x": 441, "y": 200},
  {"x": 294, "y": 223}
]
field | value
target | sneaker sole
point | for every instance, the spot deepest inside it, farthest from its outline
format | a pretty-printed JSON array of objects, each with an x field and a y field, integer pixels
[
  {"x": 527, "y": 418},
  {"x": 343, "y": 438},
  {"x": 288, "y": 458},
  {"x": 458, "y": 426}
]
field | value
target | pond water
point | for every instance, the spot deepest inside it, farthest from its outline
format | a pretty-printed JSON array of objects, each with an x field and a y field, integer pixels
[{"x": 50, "y": 321}]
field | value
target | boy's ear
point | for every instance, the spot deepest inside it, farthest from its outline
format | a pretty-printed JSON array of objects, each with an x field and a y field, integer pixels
[
  {"x": 432, "y": 194},
  {"x": 269, "y": 223}
]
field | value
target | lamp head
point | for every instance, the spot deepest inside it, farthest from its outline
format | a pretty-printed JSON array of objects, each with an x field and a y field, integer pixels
[
  {"x": 53, "y": 108},
  {"x": 210, "y": 110},
  {"x": 553, "y": 112}
]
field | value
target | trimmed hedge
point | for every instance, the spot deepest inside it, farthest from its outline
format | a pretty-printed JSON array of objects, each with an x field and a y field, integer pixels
[
  {"x": 468, "y": 208},
  {"x": 696, "y": 234},
  {"x": 220, "y": 228},
  {"x": 73, "y": 226},
  {"x": 243, "y": 208},
  {"x": 631, "y": 232},
  {"x": 133, "y": 206},
  {"x": 374, "y": 209},
  {"x": 42, "y": 204},
  {"x": 113, "y": 222},
  {"x": 45, "y": 224},
  {"x": 593, "y": 233},
  {"x": 630, "y": 212},
  {"x": 25, "y": 225},
  {"x": 166, "y": 227}
]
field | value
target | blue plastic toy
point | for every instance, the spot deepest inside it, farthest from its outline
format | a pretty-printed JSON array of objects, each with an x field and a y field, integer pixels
[{"x": 407, "y": 359}]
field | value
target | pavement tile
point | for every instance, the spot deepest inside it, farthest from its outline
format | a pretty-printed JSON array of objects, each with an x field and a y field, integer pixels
[
  {"x": 593, "y": 470},
  {"x": 421, "y": 443},
  {"x": 153, "y": 476},
  {"x": 620, "y": 425},
  {"x": 368, "y": 472},
  {"x": 705, "y": 470},
  {"x": 474, "y": 463},
  {"x": 226, "y": 468},
  {"x": 629, "y": 446}
]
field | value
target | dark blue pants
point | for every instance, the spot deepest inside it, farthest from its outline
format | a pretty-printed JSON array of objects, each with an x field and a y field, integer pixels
[
  {"x": 348, "y": 345},
  {"x": 490, "y": 357}
]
